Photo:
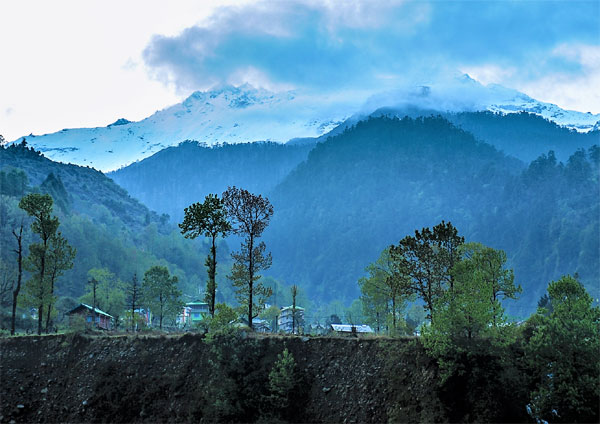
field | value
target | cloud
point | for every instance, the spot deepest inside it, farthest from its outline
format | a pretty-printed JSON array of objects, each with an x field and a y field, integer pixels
[{"x": 370, "y": 45}]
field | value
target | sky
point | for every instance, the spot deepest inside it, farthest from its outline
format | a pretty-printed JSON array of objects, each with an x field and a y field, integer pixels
[{"x": 70, "y": 64}]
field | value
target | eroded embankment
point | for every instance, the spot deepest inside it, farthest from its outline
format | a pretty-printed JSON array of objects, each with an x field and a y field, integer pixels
[{"x": 187, "y": 379}]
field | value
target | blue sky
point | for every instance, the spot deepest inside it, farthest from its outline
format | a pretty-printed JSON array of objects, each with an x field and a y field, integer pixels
[{"x": 72, "y": 64}]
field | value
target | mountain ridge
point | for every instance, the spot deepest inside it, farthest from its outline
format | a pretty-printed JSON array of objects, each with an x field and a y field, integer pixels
[{"x": 247, "y": 114}]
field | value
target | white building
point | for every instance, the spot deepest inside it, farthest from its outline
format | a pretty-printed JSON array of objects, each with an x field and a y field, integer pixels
[
  {"x": 351, "y": 329},
  {"x": 285, "y": 322}
]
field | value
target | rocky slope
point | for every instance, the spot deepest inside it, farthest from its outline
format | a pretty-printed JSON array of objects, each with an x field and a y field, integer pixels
[{"x": 228, "y": 378}]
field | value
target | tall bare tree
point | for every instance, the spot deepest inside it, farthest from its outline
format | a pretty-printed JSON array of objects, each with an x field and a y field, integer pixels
[
  {"x": 17, "y": 287},
  {"x": 250, "y": 215}
]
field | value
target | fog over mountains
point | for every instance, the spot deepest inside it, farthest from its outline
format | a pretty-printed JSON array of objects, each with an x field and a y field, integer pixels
[{"x": 246, "y": 114}]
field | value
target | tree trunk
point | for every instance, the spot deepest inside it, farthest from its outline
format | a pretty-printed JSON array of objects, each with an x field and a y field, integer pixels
[
  {"x": 50, "y": 303},
  {"x": 394, "y": 314},
  {"x": 294, "y": 314},
  {"x": 17, "y": 289},
  {"x": 42, "y": 275},
  {"x": 94, "y": 282},
  {"x": 251, "y": 279},
  {"x": 161, "y": 312},
  {"x": 133, "y": 311},
  {"x": 213, "y": 272},
  {"x": 40, "y": 318}
]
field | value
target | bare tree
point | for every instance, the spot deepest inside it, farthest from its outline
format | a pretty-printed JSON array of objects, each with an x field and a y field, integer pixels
[
  {"x": 250, "y": 215},
  {"x": 17, "y": 287}
]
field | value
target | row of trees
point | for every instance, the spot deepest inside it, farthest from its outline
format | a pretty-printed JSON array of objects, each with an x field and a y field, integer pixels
[
  {"x": 437, "y": 267},
  {"x": 158, "y": 293},
  {"x": 246, "y": 215},
  {"x": 461, "y": 286},
  {"x": 50, "y": 255}
]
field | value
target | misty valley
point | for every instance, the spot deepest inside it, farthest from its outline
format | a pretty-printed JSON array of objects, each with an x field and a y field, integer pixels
[{"x": 427, "y": 268}]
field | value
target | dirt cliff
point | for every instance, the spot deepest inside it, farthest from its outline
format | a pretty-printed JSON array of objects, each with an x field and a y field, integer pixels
[{"x": 79, "y": 378}]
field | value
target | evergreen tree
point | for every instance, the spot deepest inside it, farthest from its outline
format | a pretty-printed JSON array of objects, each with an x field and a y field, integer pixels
[
  {"x": 563, "y": 353},
  {"x": 209, "y": 219},
  {"x": 133, "y": 295}
]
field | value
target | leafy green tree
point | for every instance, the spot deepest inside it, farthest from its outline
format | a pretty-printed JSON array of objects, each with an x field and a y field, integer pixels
[
  {"x": 38, "y": 293},
  {"x": 426, "y": 259},
  {"x": 384, "y": 290},
  {"x": 161, "y": 293},
  {"x": 250, "y": 215},
  {"x": 354, "y": 313},
  {"x": 489, "y": 266},
  {"x": 472, "y": 309},
  {"x": 209, "y": 219},
  {"x": 224, "y": 316},
  {"x": 563, "y": 353},
  {"x": 60, "y": 259},
  {"x": 270, "y": 315}
]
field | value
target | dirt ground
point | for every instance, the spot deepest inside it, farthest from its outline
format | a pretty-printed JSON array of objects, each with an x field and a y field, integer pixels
[{"x": 83, "y": 378}]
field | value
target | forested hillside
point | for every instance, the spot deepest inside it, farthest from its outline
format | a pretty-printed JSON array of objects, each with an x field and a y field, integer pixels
[
  {"x": 375, "y": 183},
  {"x": 337, "y": 207},
  {"x": 176, "y": 177},
  {"x": 107, "y": 227},
  {"x": 524, "y": 135}
]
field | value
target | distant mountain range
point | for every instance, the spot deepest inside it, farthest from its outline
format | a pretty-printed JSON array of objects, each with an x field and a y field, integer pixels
[
  {"x": 247, "y": 114},
  {"x": 341, "y": 201}
]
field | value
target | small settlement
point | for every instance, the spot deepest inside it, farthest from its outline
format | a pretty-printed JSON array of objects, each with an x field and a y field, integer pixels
[{"x": 290, "y": 320}]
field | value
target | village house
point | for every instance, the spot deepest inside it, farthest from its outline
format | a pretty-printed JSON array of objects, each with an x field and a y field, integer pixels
[
  {"x": 103, "y": 320},
  {"x": 260, "y": 325},
  {"x": 317, "y": 329},
  {"x": 193, "y": 313},
  {"x": 285, "y": 322},
  {"x": 349, "y": 329}
]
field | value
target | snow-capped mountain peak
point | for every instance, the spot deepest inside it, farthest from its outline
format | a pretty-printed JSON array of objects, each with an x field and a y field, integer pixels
[
  {"x": 226, "y": 114},
  {"x": 230, "y": 114}
]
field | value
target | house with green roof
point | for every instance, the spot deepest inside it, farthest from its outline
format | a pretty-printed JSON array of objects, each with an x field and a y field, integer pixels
[{"x": 194, "y": 312}]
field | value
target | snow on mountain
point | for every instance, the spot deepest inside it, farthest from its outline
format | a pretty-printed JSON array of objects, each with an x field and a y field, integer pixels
[
  {"x": 246, "y": 114},
  {"x": 227, "y": 115},
  {"x": 466, "y": 94}
]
